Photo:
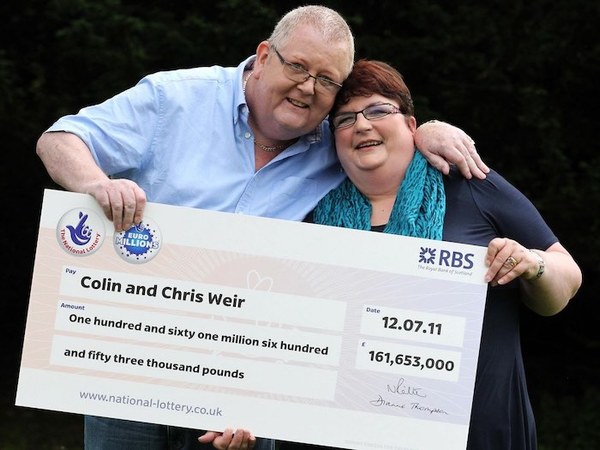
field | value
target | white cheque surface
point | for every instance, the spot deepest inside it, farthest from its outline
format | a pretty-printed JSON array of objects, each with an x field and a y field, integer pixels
[{"x": 295, "y": 331}]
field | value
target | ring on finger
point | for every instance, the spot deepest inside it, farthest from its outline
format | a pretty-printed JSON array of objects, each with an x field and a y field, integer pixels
[{"x": 510, "y": 262}]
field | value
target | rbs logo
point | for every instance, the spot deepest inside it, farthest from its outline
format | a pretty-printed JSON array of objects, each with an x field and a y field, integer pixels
[
  {"x": 446, "y": 258},
  {"x": 456, "y": 259}
]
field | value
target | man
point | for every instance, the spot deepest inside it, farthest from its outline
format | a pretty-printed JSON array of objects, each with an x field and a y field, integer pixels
[{"x": 247, "y": 139}]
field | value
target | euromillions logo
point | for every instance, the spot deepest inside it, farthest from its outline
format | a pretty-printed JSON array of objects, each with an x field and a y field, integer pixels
[
  {"x": 80, "y": 232},
  {"x": 140, "y": 243},
  {"x": 427, "y": 255}
]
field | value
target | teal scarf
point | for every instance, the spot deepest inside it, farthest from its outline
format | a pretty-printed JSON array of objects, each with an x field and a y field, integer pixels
[{"x": 418, "y": 210}]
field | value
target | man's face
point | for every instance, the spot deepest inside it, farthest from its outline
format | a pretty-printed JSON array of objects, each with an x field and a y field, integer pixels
[{"x": 284, "y": 107}]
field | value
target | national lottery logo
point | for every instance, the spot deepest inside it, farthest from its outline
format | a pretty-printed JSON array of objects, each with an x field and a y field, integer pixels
[
  {"x": 140, "y": 243},
  {"x": 80, "y": 232}
]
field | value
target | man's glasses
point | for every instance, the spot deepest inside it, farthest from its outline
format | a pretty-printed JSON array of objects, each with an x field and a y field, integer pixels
[
  {"x": 299, "y": 74},
  {"x": 371, "y": 112}
]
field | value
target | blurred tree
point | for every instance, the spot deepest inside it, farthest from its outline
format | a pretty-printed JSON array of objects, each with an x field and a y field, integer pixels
[{"x": 519, "y": 76}]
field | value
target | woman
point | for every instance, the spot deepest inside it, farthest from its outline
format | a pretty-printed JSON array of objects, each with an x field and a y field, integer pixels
[{"x": 391, "y": 188}]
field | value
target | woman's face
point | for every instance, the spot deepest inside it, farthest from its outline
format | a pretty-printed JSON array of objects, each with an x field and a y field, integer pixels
[{"x": 380, "y": 143}]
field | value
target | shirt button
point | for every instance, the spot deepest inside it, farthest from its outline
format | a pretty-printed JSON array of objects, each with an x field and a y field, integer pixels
[{"x": 247, "y": 135}]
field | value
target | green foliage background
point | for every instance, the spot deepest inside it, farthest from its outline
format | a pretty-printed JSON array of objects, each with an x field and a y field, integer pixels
[{"x": 521, "y": 77}]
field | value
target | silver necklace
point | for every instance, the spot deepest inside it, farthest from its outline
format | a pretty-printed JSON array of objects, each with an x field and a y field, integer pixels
[{"x": 271, "y": 148}]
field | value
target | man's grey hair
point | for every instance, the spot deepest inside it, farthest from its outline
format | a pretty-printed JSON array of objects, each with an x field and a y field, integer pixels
[{"x": 328, "y": 22}]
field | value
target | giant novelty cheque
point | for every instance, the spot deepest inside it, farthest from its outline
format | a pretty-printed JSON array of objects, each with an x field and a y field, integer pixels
[{"x": 295, "y": 331}]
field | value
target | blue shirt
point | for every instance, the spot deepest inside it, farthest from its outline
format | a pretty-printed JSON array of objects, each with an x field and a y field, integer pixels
[{"x": 183, "y": 137}]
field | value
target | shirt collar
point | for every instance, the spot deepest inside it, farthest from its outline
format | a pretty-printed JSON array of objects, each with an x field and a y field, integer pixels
[{"x": 239, "y": 74}]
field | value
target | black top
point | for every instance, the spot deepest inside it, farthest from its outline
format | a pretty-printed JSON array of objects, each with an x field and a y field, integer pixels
[{"x": 476, "y": 212}]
